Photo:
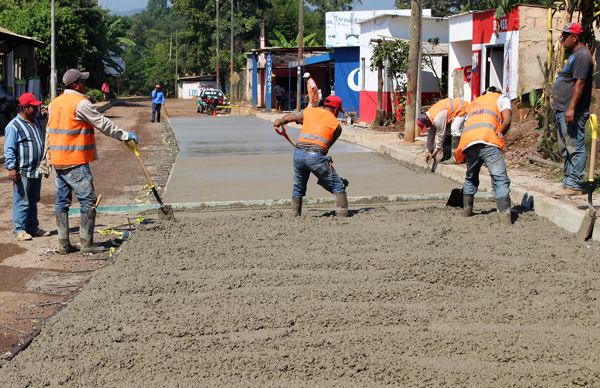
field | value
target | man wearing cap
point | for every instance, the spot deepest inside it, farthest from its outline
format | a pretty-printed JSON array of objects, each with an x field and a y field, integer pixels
[
  {"x": 158, "y": 99},
  {"x": 71, "y": 147},
  {"x": 24, "y": 150},
  {"x": 313, "y": 91},
  {"x": 320, "y": 130},
  {"x": 482, "y": 141},
  {"x": 444, "y": 117},
  {"x": 572, "y": 95}
]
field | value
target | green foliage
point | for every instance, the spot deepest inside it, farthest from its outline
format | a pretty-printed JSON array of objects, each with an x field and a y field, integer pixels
[
  {"x": 281, "y": 41},
  {"x": 395, "y": 52},
  {"x": 94, "y": 95}
]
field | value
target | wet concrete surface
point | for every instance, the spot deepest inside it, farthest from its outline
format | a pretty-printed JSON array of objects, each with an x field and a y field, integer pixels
[{"x": 241, "y": 158}]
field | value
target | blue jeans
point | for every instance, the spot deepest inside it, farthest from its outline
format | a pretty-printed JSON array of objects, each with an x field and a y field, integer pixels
[
  {"x": 26, "y": 195},
  {"x": 156, "y": 111},
  {"x": 78, "y": 179},
  {"x": 478, "y": 155},
  {"x": 307, "y": 161},
  {"x": 571, "y": 145}
]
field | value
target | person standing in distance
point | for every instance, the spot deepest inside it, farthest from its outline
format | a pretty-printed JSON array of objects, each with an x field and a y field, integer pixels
[
  {"x": 71, "y": 148},
  {"x": 24, "y": 150},
  {"x": 312, "y": 90},
  {"x": 158, "y": 100},
  {"x": 572, "y": 95},
  {"x": 320, "y": 130}
]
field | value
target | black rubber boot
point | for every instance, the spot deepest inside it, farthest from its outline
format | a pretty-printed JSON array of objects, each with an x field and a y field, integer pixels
[
  {"x": 297, "y": 207},
  {"x": 62, "y": 224},
  {"x": 86, "y": 230},
  {"x": 504, "y": 213},
  {"x": 468, "y": 205},
  {"x": 342, "y": 204}
]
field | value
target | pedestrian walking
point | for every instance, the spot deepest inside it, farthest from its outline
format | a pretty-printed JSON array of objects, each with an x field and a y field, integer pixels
[
  {"x": 488, "y": 120},
  {"x": 23, "y": 151},
  {"x": 445, "y": 117},
  {"x": 312, "y": 90},
  {"x": 105, "y": 90},
  {"x": 572, "y": 96},
  {"x": 279, "y": 95},
  {"x": 158, "y": 100},
  {"x": 320, "y": 130},
  {"x": 71, "y": 148}
]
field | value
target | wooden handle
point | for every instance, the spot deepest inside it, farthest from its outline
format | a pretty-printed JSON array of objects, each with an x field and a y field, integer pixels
[
  {"x": 594, "y": 125},
  {"x": 146, "y": 173}
]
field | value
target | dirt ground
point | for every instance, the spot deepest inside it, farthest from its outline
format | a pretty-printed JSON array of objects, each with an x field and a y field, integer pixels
[
  {"x": 34, "y": 283},
  {"x": 394, "y": 295}
]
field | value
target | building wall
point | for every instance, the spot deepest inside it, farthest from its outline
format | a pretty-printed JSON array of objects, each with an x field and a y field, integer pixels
[
  {"x": 460, "y": 36},
  {"x": 347, "y": 85},
  {"x": 397, "y": 27}
]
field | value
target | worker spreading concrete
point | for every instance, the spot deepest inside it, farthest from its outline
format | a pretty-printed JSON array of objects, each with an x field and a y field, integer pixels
[
  {"x": 320, "y": 130},
  {"x": 488, "y": 120},
  {"x": 313, "y": 91},
  {"x": 71, "y": 147},
  {"x": 445, "y": 117}
]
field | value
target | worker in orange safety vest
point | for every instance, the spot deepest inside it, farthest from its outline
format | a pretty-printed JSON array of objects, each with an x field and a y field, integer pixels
[
  {"x": 71, "y": 147},
  {"x": 313, "y": 91},
  {"x": 445, "y": 117},
  {"x": 320, "y": 130},
  {"x": 488, "y": 120}
]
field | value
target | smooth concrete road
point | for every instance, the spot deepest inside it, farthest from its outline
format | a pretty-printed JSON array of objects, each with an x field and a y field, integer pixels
[{"x": 233, "y": 158}]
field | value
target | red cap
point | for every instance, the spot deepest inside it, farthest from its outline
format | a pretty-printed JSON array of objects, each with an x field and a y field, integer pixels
[
  {"x": 334, "y": 101},
  {"x": 28, "y": 99},
  {"x": 573, "y": 28}
]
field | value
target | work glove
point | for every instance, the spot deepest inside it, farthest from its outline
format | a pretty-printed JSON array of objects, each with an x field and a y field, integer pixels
[
  {"x": 132, "y": 136},
  {"x": 45, "y": 168}
]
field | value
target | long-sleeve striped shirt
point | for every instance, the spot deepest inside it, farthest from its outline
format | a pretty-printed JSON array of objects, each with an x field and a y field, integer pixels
[{"x": 24, "y": 146}]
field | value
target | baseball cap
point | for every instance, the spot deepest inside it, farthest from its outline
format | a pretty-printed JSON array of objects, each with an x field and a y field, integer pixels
[
  {"x": 306, "y": 75},
  {"x": 423, "y": 122},
  {"x": 74, "y": 75},
  {"x": 29, "y": 99},
  {"x": 573, "y": 28},
  {"x": 334, "y": 101}
]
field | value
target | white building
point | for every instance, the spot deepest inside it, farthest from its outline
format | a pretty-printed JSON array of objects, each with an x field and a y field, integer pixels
[{"x": 395, "y": 26}]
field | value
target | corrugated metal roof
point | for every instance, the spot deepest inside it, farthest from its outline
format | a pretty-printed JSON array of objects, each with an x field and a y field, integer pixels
[{"x": 10, "y": 40}]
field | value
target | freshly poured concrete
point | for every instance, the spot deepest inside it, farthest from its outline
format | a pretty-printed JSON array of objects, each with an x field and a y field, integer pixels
[{"x": 242, "y": 158}]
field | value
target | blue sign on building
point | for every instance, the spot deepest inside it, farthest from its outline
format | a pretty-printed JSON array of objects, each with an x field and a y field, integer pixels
[
  {"x": 346, "y": 84},
  {"x": 268, "y": 80}
]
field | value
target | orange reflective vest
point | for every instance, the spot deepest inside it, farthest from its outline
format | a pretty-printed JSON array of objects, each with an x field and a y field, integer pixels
[
  {"x": 483, "y": 121},
  {"x": 454, "y": 106},
  {"x": 70, "y": 141},
  {"x": 318, "y": 126},
  {"x": 313, "y": 91}
]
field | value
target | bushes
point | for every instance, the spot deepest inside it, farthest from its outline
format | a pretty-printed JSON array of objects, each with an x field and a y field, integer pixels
[{"x": 94, "y": 95}]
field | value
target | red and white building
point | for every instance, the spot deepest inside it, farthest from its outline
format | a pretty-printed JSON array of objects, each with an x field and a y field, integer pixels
[
  {"x": 482, "y": 53},
  {"x": 396, "y": 26}
]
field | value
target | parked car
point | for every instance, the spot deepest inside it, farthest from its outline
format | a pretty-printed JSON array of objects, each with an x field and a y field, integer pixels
[{"x": 212, "y": 100}]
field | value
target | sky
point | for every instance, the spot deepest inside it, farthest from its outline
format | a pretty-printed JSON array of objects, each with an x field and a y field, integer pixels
[{"x": 124, "y": 6}]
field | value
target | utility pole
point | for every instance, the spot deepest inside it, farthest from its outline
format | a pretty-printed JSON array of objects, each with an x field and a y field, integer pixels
[
  {"x": 176, "y": 63},
  {"x": 53, "y": 80},
  {"x": 231, "y": 58},
  {"x": 414, "y": 50},
  {"x": 218, "y": 45},
  {"x": 300, "y": 55}
]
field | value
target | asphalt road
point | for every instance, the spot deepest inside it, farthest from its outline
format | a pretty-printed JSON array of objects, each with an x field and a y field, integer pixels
[{"x": 241, "y": 158}]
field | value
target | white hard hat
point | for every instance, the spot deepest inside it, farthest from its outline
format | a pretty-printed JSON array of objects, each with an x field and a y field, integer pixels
[{"x": 306, "y": 75}]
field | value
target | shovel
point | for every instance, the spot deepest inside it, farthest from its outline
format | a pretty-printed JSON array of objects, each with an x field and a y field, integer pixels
[
  {"x": 166, "y": 210},
  {"x": 283, "y": 132},
  {"x": 587, "y": 224},
  {"x": 456, "y": 198}
]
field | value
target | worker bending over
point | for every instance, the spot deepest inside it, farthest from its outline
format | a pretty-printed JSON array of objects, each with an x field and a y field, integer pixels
[
  {"x": 320, "y": 130},
  {"x": 444, "y": 117},
  {"x": 71, "y": 147},
  {"x": 488, "y": 120}
]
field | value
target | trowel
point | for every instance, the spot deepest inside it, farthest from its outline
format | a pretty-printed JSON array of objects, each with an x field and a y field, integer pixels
[
  {"x": 587, "y": 224},
  {"x": 166, "y": 210}
]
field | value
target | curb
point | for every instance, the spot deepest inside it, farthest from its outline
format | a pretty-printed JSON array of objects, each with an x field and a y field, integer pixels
[{"x": 563, "y": 214}]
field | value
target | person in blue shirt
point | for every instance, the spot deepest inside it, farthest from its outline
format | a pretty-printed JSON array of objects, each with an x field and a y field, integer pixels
[
  {"x": 158, "y": 100},
  {"x": 24, "y": 150}
]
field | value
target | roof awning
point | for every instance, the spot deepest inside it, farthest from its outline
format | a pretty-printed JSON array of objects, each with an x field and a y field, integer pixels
[
  {"x": 327, "y": 57},
  {"x": 10, "y": 40}
]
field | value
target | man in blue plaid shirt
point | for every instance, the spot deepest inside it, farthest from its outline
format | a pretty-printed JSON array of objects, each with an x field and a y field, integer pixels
[{"x": 24, "y": 150}]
